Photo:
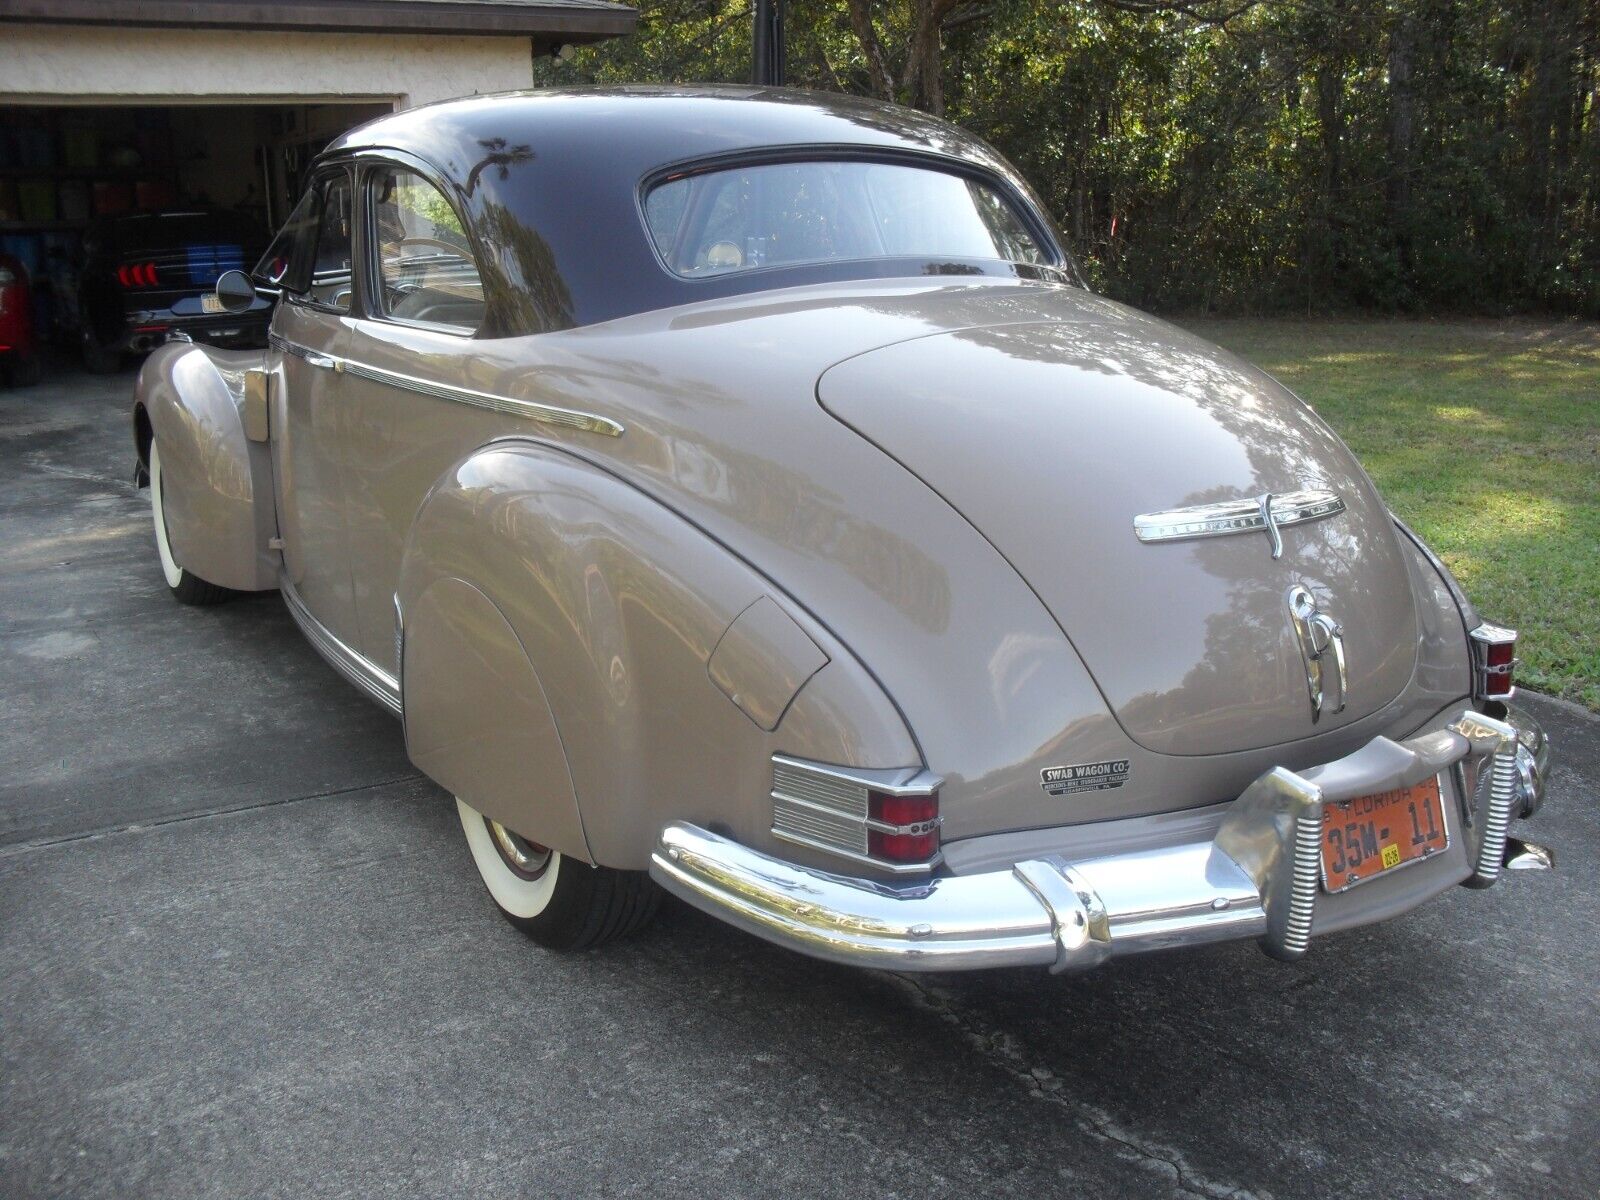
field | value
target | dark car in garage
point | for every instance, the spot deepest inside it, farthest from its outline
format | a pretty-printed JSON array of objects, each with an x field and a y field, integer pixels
[{"x": 147, "y": 276}]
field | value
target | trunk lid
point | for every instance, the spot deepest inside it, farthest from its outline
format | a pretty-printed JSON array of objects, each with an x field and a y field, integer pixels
[{"x": 1073, "y": 425}]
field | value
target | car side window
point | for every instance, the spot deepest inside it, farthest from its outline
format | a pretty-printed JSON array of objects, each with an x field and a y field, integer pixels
[
  {"x": 286, "y": 263},
  {"x": 330, "y": 265},
  {"x": 426, "y": 270}
]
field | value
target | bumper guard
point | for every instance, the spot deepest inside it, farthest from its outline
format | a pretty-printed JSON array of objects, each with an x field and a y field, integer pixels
[{"x": 1258, "y": 877}]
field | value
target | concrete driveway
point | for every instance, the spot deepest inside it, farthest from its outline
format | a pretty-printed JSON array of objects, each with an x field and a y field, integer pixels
[{"x": 243, "y": 952}]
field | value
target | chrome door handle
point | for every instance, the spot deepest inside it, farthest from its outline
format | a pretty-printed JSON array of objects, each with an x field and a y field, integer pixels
[{"x": 326, "y": 361}]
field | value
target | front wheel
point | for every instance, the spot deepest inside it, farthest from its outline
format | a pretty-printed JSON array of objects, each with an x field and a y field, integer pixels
[
  {"x": 186, "y": 586},
  {"x": 560, "y": 902}
]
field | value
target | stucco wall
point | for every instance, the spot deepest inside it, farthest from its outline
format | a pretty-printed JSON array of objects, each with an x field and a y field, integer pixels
[{"x": 56, "y": 63}]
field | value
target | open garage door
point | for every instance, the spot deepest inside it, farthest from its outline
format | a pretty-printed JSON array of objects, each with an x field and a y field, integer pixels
[{"x": 115, "y": 221}]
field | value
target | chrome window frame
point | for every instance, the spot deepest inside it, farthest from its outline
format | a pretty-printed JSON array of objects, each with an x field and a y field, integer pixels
[
  {"x": 369, "y": 165},
  {"x": 322, "y": 179}
]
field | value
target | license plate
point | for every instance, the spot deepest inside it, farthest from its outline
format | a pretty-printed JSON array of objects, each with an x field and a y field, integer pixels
[
  {"x": 1371, "y": 835},
  {"x": 210, "y": 302}
]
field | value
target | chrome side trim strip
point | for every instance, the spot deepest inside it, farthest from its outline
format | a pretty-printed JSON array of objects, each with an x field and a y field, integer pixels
[
  {"x": 366, "y": 675},
  {"x": 546, "y": 414},
  {"x": 569, "y": 418},
  {"x": 1268, "y": 512},
  {"x": 314, "y": 357}
]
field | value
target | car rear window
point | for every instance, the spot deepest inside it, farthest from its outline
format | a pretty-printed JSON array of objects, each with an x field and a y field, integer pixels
[{"x": 780, "y": 214}]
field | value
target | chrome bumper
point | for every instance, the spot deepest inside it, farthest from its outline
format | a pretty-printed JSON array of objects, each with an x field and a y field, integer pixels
[{"x": 1259, "y": 876}]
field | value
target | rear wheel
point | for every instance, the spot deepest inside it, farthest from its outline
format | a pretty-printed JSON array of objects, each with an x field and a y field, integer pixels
[
  {"x": 559, "y": 902},
  {"x": 187, "y": 587}
]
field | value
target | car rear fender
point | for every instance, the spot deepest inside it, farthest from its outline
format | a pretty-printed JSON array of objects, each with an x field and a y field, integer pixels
[
  {"x": 218, "y": 494},
  {"x": 584, "y": 665}
]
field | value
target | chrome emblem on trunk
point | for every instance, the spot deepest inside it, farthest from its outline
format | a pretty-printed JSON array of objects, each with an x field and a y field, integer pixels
[
  {"x": 1319, "y": 633},
  {"x": 1267, "y": 512}
]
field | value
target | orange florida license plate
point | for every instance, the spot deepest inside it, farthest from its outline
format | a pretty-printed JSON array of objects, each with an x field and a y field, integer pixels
[{"x": 1364, "y": 837}]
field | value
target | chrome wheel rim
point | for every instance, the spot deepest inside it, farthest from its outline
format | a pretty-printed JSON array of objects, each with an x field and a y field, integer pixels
[{"x": 525, "y": 859}]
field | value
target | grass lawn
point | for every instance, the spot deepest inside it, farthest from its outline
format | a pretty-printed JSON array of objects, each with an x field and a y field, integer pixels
[{"x": 1484, "y": 437}]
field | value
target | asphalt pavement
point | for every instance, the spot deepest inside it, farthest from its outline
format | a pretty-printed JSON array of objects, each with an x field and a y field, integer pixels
[{"x": 244, "y": 953}]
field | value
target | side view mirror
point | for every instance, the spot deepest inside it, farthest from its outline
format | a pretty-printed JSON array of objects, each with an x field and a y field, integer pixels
[{"x": 235, "y": 292}]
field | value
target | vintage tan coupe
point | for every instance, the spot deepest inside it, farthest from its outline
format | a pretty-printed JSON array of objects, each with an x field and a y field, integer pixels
[{"x": 739, "y": 490}]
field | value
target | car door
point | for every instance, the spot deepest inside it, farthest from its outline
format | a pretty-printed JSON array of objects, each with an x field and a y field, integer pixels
[
  {"x": 412, "y": 360},
  {"x": 309, "y": 337}
]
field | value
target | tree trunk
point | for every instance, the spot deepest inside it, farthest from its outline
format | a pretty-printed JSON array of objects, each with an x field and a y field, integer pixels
[
  {"x": 925, "y": 62},
  {"x": 871, "y": 49}
]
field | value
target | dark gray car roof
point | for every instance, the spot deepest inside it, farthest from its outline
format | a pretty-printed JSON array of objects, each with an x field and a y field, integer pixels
[{"x": 550, "y": 183}]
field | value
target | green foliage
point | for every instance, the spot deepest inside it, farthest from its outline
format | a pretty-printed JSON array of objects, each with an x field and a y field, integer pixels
[{"x": 1396, "y": 155}]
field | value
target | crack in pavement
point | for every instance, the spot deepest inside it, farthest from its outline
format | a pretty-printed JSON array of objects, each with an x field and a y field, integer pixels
[
  {"x": 1000, "y": 1049},
  {"x": 233, "y": 810}
]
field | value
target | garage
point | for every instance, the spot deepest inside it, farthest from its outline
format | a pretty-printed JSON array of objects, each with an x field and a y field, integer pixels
[{"x": 146, "y": 147}]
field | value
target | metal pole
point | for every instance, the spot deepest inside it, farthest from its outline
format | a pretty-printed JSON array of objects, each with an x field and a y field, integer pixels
[{"x": 767, "y": 70}]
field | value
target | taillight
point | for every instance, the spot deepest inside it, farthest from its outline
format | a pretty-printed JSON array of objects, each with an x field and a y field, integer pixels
[
  {"x": 138, "y": 275},
  {"x": 1494, "y": 662},
  {"x": 903, "y": 829},
  {"x": 886, "y": 818}
]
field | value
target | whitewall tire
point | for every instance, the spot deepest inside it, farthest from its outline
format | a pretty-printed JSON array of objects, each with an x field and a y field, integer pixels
[
  {"x": 558, "y": 901},
  {"x": 186, "y": 587},
  {"x": 520, "y": 875}
]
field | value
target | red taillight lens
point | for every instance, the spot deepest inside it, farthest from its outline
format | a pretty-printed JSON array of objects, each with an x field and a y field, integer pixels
[
  {"x": 1495, "y": 651},
  {"x": 138, "y": 275},
  {"x": 1501, "y": 663},
  {"x": 914, "y": 836}
]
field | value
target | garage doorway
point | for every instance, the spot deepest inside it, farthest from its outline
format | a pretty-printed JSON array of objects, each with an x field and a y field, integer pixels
[{"x": 67, "y": 168}]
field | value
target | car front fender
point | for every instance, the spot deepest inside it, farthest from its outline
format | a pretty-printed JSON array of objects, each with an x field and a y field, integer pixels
[
  {"x": 558, "y": 631},
  {"x": 218, "y": 484}
]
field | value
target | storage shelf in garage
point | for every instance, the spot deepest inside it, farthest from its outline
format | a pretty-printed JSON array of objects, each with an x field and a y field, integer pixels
[
  {"x": 42, "y": 226},
  {"x": 117, "y": 174}
]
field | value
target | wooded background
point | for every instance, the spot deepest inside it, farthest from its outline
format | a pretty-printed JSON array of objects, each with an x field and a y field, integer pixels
[{"x": 1230, "y": 155}]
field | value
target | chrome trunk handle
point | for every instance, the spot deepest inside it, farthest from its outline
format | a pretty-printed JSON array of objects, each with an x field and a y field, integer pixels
[{"x": 1318, "y": 634}]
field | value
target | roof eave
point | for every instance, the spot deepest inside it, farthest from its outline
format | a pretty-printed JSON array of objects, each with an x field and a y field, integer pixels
[{"x": 554, "y": 21}]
